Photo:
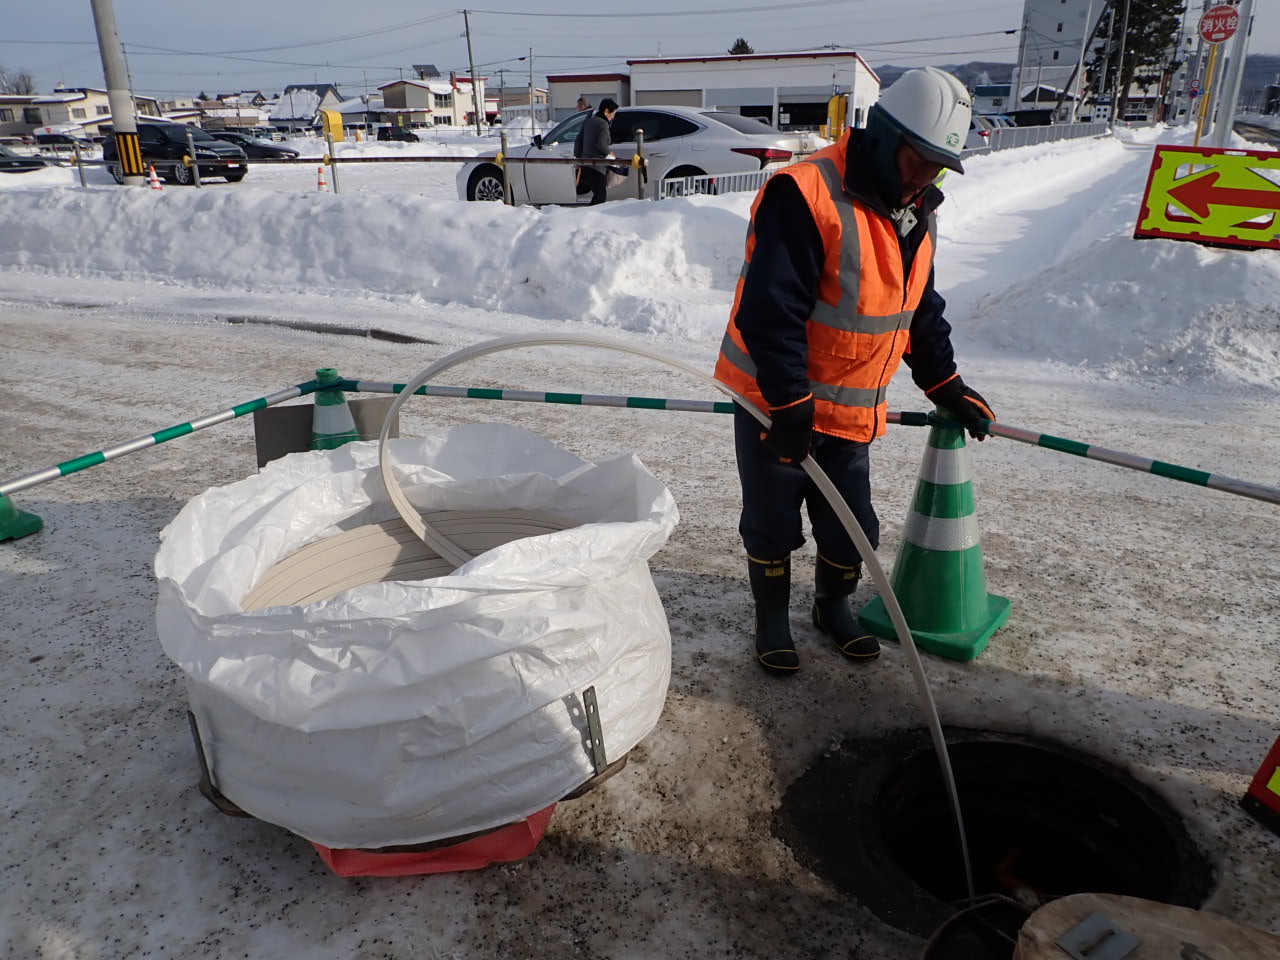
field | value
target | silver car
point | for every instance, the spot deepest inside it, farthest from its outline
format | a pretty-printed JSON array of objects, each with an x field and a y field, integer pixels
[{"x": 678, "y": 142}]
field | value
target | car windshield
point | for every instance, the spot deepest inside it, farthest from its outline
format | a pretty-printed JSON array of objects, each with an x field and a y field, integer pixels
[
  {"x": 179, "y": 134},
  {"x": 567, "y": 130},
  {"x": 6, "y": 152},
  {"x": 743, "y": 124}
]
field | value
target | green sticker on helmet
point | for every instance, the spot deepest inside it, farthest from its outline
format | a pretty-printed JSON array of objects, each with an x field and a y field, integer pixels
[{"x": 953, "y": 139}]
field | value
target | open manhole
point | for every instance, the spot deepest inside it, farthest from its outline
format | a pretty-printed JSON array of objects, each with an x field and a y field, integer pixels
[{"x": 1043, "y": 821}]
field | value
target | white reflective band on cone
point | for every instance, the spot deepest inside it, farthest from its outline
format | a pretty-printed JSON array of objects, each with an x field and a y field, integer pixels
[
  {"x": 946, "y": 466},
  {"x": 937, "y": 533},
  {"x": 332, "y": 418}
]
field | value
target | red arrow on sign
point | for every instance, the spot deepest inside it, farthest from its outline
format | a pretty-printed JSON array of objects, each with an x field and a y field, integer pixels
[{"x": 1199, "y": 194}]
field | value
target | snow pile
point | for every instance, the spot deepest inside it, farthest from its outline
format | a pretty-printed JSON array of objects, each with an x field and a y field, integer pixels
[
  {"x": 1148, "y": 307},
  {"x": 664, "y": 268}
]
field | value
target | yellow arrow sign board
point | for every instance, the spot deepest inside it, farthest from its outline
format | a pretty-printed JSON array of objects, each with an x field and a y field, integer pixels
[{"x": 1213, "y": 196}]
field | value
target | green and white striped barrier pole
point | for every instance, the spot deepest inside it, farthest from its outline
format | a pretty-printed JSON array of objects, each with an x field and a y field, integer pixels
[
  {"x": 1199, "y": 478},
  {"x": 153, "y": 439},
  {"x": 903, "y": 418},
  {"x": 539, "y": 396}
]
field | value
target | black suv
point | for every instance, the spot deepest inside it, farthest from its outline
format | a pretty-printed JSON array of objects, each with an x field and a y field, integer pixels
[
  {"x": 165, "y": 144},
  {"x": 402, "y": 134}
]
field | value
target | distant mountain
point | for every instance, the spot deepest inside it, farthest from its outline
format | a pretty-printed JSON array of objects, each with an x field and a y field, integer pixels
[{"x": 970, "y": 74}]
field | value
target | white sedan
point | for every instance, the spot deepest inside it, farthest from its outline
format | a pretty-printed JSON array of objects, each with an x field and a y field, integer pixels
[{"x": 678, "y": 142}]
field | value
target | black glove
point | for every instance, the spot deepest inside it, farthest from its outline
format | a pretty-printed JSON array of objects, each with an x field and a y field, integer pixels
[
  {"x": 964, "y": 403},
  {"x": 789, "y": 437}
]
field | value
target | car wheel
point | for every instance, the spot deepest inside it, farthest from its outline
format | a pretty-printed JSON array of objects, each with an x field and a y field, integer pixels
[
  {"x": 234, "y": 177},
  {"x": 486, "y": 184},
  {"x": 182, "y": 173},
  {"x": 679, "y": 173},
  {"x": 117, "y": 174}
]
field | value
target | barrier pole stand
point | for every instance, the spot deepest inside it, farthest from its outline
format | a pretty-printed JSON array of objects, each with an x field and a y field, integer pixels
[
  {"x": 637, "y": 161},
  {"x": 191, "y": 156},
  {"x": 79, "y": 166},
  {"x": 502, "y": 163},
  {"x": 332, "y": 160}
]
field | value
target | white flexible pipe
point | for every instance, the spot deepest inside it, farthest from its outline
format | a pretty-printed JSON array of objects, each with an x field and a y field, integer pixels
[{"x": 446, "y": 548}]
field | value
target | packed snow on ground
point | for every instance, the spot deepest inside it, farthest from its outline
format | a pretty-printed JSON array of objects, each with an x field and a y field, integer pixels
[{"x": 1146, "y": 615}]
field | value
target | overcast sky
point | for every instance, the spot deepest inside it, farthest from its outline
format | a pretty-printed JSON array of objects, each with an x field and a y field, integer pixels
[{"x": 358, "y": 46}]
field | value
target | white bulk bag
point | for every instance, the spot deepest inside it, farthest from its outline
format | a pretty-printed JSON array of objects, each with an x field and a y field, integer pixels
[{"x": 405, "y": 712}]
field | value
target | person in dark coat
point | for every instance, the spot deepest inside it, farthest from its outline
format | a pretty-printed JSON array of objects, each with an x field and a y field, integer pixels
[{"x": 594, "y": 142}]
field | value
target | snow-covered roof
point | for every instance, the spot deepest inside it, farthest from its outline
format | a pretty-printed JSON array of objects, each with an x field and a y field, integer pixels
[
  {"x": 360, "y": 105},
  {"x": 243, "y": 111},
  {"x": 435, "y": 86},
  {"x": 59, "y": 98},
  {"x": 297, "y": 105}
]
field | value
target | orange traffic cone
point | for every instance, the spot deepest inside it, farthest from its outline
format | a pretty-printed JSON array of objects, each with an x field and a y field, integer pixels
[
  {"x": 152, "y": 178},
  {"x": 321, "y": 184}
]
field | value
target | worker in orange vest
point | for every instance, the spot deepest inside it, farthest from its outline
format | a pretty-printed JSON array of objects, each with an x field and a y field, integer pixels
[{"x": 836, "y": 289}]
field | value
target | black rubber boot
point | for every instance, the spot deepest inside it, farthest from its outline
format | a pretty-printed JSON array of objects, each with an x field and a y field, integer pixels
[
  {"x": 771, "y": 590},
  {"x": 833, "y": 585}
]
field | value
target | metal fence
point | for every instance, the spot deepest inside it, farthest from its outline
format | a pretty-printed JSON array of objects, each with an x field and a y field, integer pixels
[
  {"x": 1004, "y": 138},
  {"x": 715, "y": 184}
]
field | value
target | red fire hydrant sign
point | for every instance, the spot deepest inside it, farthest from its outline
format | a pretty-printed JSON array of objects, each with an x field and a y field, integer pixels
[
  {"x": 1219, "y": 23},
  {"x": 1213, "y": 196}
]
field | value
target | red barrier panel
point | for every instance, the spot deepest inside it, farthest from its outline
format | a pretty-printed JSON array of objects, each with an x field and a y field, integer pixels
[{"x": 512, "y": 842}]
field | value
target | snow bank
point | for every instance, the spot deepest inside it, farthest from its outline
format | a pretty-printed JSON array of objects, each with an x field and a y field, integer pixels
[
  {"x": 664, "y": 268},
  {"x": 1035, "y": 256}
]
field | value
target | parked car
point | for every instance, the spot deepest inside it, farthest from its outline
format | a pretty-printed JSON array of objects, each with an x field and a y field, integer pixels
[
  {"x": 267, "y": 133},
  {"x": 55, "y": 142},
  {"x": 13, "y": 162},
  {"x": 254, "y": 148},
  {"x": 979, "y": 133},
  {"x": 165, "y": 144},
  {"x": 397, "y": 133},
  {"x": 679, "y": 142}
]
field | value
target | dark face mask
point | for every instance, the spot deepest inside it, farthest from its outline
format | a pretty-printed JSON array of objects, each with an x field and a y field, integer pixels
[{"x": 880, "y": 150}]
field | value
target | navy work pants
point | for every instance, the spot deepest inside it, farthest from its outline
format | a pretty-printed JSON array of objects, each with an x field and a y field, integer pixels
[{"x": 773, "y": 492}]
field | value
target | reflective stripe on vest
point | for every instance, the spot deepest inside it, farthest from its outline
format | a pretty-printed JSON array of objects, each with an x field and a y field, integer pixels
[{"x": 857, "y": 331}]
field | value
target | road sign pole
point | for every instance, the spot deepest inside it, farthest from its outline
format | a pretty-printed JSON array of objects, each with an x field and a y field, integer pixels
[
  {"x": 1206, "y": 96},
  {"x": 1233, "y": 77}
]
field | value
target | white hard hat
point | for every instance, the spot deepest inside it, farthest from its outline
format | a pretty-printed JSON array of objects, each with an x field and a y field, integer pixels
[{"x": 932, "y": 108}]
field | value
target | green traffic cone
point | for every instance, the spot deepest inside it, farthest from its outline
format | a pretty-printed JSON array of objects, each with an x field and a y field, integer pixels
[
  {"x": 331, "y": 422},
  {"x": 15, "y": 523},
  {"x": 938, "y": 576}
]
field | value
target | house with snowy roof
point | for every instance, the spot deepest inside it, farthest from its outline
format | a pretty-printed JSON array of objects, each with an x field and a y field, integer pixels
[
  {"x": 449, "y": 102},
  {"x": 299, "y": 106}
]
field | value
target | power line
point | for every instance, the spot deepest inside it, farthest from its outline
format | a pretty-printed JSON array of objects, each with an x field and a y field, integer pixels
[{"x": 675, "y": 13}]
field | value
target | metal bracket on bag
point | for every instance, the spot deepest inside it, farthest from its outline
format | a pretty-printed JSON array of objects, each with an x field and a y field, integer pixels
[
  {"x": 598, "y": 758},
  {"x": 207, "y": 787}
]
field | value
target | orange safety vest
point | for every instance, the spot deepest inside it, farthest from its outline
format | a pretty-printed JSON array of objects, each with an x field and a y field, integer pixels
[{"x": 860, "y": 325}]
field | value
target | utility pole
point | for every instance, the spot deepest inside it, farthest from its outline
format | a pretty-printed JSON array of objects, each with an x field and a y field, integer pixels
[
  {"x": 531, "y": 126},
  {"x": 124, "y": 121},
  {"x": 1232, "y": 77},
  {"x": 1120, "y": 96},
  {"x": 475, "y": 85}
]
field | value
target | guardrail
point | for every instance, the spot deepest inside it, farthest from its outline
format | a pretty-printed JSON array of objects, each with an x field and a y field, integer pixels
[
  {"x": 1005, "y": 138},
  {"x": 713, "y": 184}
]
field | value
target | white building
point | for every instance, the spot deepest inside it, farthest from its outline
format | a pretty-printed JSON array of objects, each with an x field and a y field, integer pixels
[
  {"x": 1054, "y": 33},
  {"x": 566, "y": 88},
  {"x": 790, "y": 90}
]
